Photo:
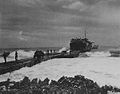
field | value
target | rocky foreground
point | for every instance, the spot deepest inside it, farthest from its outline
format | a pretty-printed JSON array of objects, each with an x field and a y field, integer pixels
[{"x": 65, "y": 85}]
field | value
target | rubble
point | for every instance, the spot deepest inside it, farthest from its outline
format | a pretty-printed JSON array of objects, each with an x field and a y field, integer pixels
[{"x": 65, "y": 85}]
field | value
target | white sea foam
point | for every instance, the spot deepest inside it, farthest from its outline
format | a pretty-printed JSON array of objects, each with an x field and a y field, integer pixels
[
  {"x": 62, "y": 49},
  {"x": 99, "y": 54},
  {"x": 99, "y": 66},
  {"x": 21, "y": 55}
]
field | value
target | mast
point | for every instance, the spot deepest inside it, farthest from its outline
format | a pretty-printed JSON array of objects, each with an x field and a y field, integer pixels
[{"x": 85, "y": 33}]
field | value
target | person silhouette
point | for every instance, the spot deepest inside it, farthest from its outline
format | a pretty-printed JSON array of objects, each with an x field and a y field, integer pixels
[
  {"x": 4, "y": 56},
  {"x": 16, "y": 55}
]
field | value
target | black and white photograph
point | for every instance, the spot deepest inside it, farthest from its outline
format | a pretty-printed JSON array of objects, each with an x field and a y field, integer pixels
[{"x": 59, "y": 46}]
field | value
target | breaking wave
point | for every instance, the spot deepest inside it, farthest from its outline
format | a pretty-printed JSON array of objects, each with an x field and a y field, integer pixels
[
  {"x": 99, "y": 54},
  {"x": 22, "y": 54}
]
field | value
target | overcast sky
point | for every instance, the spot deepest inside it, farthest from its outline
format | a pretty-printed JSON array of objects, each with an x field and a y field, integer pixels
[{"x": 49, "y": 23}]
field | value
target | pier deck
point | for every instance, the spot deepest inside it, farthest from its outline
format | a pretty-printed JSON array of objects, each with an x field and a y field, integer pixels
[
  {"x": 29, "y": 62},
  {"x": 15, "y": 65}
]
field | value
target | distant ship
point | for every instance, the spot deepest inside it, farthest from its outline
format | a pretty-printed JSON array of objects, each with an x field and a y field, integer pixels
[
  {"x": 115, "y": 52},
  {"x": 82, "y": 44}
]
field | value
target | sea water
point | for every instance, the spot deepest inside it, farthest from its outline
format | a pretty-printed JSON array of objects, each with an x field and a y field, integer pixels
[{"x": 98, "y": 66}]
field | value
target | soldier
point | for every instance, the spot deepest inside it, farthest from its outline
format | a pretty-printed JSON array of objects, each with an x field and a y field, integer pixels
[
  {"x": 41, "y": 54},
  {"x": 5, "y": 55},
  {"x": 54, "y": 51},
  {"x": 16, "y": 56},
  {"x": 35, "y": 54},
  {"x": 47, "y": 52},
  {"x": 7, "y": 84},
  {"x": 51, "y": 51}
]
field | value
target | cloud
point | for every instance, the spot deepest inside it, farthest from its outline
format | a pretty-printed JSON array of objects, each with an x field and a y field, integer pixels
[
  {"x": 65, "y": 0},
  {"x": 31, "y": 36},
  {"x": 53, "y": 21},
  {"x": 21, "y": 36},
  {"x": 105, "y": 13},
  {"x": 25, "y": 2},
  {"x": 75, "y": 6},
  {"x": 115, "y": 3},
  {"x": 90, "y": 2}
]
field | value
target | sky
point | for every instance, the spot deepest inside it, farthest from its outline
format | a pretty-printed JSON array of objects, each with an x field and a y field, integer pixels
[{"x": 52, "y": 23}]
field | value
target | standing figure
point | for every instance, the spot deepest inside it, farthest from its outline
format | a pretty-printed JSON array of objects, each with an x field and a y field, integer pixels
[
  {"x": 35, "y": 54},
  {"x": 47, "y": 52},
  {"x": 16, "y": 56},
  {"x": 54, "y": 51},
  {"x": 5, "y": 55},
  {"x": 51, "y": 52}
]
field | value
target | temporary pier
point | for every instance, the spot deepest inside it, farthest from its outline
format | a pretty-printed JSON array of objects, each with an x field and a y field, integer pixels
[{"x": 15, "y": 65}]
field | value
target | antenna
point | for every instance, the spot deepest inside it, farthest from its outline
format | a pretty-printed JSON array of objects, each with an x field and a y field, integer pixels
[{"x": 85, "y": 33}]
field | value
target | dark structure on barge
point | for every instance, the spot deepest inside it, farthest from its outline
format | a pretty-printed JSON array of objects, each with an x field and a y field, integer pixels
[{"x": 82, "y": 45}]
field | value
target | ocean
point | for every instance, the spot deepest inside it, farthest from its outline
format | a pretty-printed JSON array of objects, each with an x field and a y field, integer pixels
[{"x": 98, "y": 66}]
